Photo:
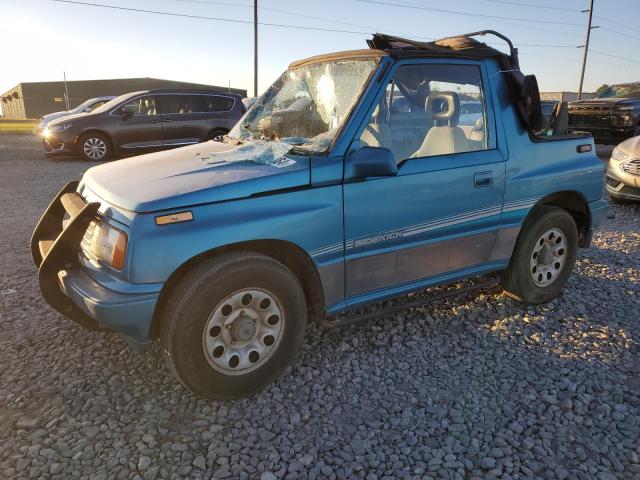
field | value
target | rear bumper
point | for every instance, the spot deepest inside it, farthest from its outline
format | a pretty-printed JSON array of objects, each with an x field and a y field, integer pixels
[{"x": 68, "y": 288}]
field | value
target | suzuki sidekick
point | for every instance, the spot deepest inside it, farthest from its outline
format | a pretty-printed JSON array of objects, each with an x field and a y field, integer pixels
[{"x": 350, "y": 181}]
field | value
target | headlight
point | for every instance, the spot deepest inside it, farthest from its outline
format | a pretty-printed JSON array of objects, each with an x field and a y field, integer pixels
[
  {"x": 58, "y": 128},
  {"x": 620, "y": 155},
  {"x": 621, "y": 119},
  {"x": 105, "y": 243}
]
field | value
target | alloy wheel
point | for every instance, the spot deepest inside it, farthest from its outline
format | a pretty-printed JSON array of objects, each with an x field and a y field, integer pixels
[{"x": 94, "y": 148}]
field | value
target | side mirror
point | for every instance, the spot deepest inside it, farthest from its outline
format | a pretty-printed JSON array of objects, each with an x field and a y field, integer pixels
[
  {"x": 125, "y": 114},
  {"x": 87, "y": 109},
  {"x": 372, "y": 162}
]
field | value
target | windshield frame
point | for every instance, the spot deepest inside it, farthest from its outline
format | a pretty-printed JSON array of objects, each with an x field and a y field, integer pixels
[{"x": 323, "y": 59}]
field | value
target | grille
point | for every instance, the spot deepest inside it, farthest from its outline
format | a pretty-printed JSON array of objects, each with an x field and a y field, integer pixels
[
  {"x": 589, "y": 119},
  {"x": 632, "y": 167}
]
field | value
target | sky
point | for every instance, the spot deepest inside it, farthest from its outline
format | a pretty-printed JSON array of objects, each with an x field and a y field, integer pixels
[{"x": 43, "y": 38}]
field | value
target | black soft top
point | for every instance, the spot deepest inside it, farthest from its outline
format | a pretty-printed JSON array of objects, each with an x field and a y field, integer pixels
[{"x": 460, "y": 46}]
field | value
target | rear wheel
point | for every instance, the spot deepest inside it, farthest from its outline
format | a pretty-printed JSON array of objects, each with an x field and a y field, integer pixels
[
  {"x": 233, "y": 324},
  {"x": 544, "y": 256},
  {"x": 94, "y": 147}
]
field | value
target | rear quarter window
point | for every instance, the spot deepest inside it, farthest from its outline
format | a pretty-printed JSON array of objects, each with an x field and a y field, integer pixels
[{"x": 216, "y": 103}]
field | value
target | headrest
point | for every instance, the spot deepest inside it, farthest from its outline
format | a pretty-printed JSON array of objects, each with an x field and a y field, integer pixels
[{"x": 444, "y": 107}]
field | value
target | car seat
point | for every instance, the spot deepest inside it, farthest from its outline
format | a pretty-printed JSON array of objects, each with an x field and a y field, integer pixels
[{"x": 445, "y": 136}]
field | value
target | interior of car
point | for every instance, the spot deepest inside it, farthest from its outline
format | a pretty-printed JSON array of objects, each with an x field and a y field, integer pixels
[{"x": 419, "y": 113}]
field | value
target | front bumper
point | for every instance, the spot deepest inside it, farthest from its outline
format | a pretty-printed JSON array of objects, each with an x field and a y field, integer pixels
[
  {"x": 66, "y": 285},
  {"x": 624, "y": 188},
  {"x": 58, "y": 145}
]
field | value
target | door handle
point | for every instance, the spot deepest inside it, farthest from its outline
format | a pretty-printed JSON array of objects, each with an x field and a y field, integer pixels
[
  {"x": 167, "y": 120},
  {"x": 482, "y": 179},
  {"x": 155, "y": 121}
]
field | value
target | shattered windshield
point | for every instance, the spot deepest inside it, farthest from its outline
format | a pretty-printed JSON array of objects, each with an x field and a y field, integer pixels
[
  {"x": 307, "y": 106},
  {"x": 620, "y": 91}
]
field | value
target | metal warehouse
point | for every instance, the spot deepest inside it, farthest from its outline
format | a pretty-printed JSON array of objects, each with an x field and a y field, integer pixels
[{"x": 34, "y": 99}]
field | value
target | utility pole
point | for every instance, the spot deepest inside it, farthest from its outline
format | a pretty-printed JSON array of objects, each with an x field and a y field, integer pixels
[
  {"x": 586, "y": 49},
  {"x": 255, "y": 48},
  {"x": 66, "y": 92}
]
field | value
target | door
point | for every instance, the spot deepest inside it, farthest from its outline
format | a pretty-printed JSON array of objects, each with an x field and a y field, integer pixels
[
  {"x": 137, "y": 124},
  {"x": 183, "y": 120},
  {"x": 440, "y": 213}
]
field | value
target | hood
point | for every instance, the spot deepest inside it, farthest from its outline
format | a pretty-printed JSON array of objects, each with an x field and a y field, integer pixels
[
  {"x": 65, "y": 117},
  {"x": 603, "y": 102},
  {"x": 181, "y": 177},
  {"x": 51, "y": 116},
  {"x": 631, "y": 146}
]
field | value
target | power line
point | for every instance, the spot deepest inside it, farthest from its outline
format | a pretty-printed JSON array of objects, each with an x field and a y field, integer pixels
[
  {"x": 466, "y": 14},
  {"x": 276, "y": 10},
  {"x": 520, "y": 4},
  {"x": 615, "y": 22},
  {"x": 615, "y": 56},
  {"x": 202, "y": 17},
  {"x": 247, "y": 22},
  {"x": 618, "y": 33},
  {"x": 331, "y": 20},
  {"x": 531, "y": 5}
]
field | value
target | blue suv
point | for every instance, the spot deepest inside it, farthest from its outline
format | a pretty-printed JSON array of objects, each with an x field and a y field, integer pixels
[{"x": 351, "y": 180}]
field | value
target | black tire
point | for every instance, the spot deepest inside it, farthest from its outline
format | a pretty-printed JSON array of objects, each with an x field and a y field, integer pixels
[
  {"x": 193, "y": 304},
  {"x": 95, "y": 147},
  {"x": 517, "y": 279},
  {"x": 217, "y": 134}
]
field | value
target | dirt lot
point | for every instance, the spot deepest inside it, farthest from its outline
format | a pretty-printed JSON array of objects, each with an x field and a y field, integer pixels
[{"x": 479, "y": 388}]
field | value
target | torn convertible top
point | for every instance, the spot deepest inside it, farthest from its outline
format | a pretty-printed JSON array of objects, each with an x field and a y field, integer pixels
[
  {"x": 461, "y": 46},
  {"x": 525, "y": 93}
]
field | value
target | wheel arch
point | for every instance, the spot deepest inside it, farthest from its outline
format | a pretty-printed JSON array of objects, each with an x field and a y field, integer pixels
[
  {"x": 287, "y": 253},
  {"x": 576, "y": 204}
]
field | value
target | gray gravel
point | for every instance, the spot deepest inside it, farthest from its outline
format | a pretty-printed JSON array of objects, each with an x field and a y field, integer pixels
[{"x": 478, "y": 388}]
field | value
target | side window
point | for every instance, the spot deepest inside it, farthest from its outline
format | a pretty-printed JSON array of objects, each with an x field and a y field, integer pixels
[
  {"x": 430, "y": 110},
  {"x": 172, "y": 104},
  {"x": 215, "y": 103},
  {"x": 96, "y": 105},
  {"x": 141, "y": 106}
]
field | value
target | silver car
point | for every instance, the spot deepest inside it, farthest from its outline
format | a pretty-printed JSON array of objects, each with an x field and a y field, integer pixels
[
  {"x": 623, "y": 174},
  {"x": 85, "y": 107}
]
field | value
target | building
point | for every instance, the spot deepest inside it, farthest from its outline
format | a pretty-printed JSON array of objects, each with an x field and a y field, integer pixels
[
  {"x": 34, "y": 99},
  {"x": 564, "y": 96}
]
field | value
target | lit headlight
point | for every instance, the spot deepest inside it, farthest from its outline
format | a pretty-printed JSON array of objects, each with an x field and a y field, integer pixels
[
  {"x": 620, "y": 155},
  {"x": 105, "y": 243},
  {"x": 61, "y": 127}
]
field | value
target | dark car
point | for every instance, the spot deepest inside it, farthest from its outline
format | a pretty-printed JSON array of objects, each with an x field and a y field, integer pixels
[
  {"x": 143, "y": 121},
  {"x": 612, "y": 116}
]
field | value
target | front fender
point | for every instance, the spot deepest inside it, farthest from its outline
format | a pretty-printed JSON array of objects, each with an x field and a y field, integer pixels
[{"x": 309, "y": 218}]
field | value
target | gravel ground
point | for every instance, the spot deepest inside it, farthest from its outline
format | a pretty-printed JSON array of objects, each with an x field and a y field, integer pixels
[{"x": 476, "y": 388}]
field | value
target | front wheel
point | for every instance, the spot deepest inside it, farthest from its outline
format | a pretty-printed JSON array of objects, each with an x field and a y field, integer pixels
[
  {"x": 95, "y": 147},
  {"x": 233, "y": 324},
  {"x": 544, "y": 256}
]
